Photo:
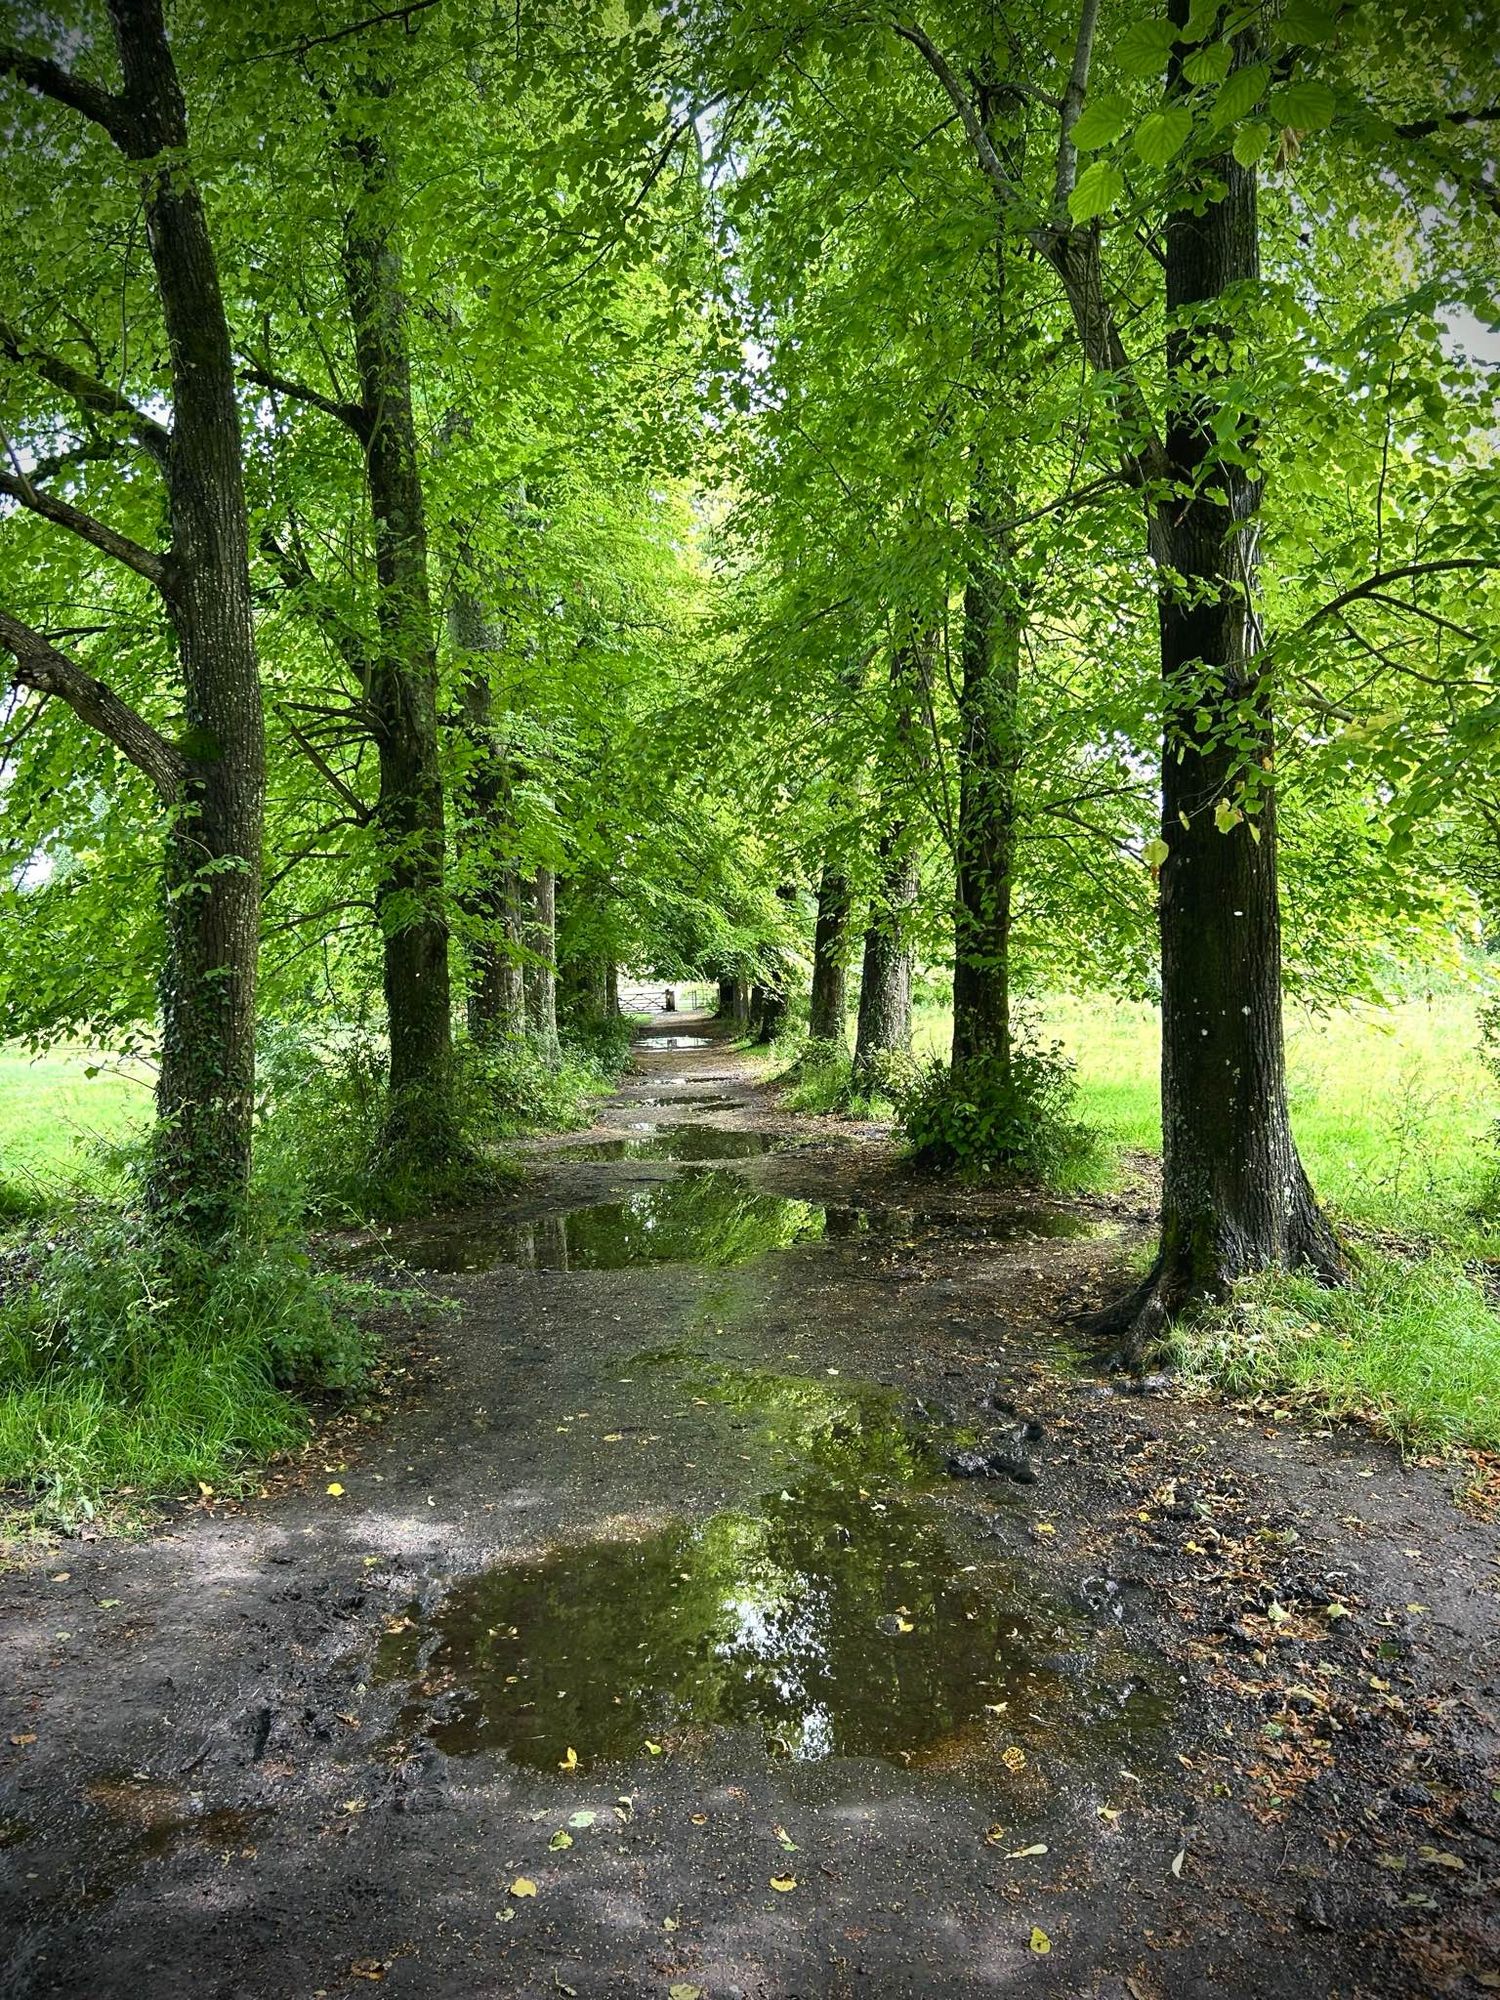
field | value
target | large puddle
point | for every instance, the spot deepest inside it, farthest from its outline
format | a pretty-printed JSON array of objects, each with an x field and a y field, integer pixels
[
  {"x": 672, "y": 1042},
  {"x": 675, "y": 1142},
  {"x": 704, "y": 1215},
  {"x": 845, "y": 1614},
  {"x": 699, "y": 1217}
]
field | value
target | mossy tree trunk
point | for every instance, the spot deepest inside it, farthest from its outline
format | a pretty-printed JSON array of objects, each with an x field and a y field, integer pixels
[{"x": 829, "y": 1002}]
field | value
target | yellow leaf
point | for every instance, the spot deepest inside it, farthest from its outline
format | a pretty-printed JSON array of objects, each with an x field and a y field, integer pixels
[
  {"x": 700, "y": 1819},
  {"x": 1013, "y": 1758},
  {"x": 26, "y": 1736},
  {"x": 1022, "y": 1853},
  {"x": 669, "y": 1924},
  {"x": 523, "y": 1886},
  {"x": 782, "y": 1883},
  {"x": 1155, "y": 852},
  {"x": 785, "y": 1838},
  {"x": 904, "y": 1625},
  {"x": 570, "y": 1762},
  {"x": 1041, "y": 1944},
  {"x": 995, "y": 1834},
  {"x": 1045, "y": 1528},
  {"x": 338, "y": 1493},
  {"x": 560, "y": 1840},
  {"x": 654, "y": 1748},
  {"x": 684, "y": 1990},
  {"x": 996, "y": 1707}
]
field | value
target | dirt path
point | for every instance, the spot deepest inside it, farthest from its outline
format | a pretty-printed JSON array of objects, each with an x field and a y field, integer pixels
[{"x": 655, "y": 1647}]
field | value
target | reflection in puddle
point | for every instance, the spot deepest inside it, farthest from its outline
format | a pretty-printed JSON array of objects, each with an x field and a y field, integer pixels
[
  {"x": 707, "y": 1100},
  {"x": 1006, "y": 1225},
  {"x": 834, "y": 1618},
  {"x": 672, "y": 1042},
  {"x": 674, "y": 1142},
  {"x": 700, "y": 1217}
]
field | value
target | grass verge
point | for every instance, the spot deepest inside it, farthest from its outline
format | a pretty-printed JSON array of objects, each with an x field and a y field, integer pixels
[{"x": 1411, "y": 1348}]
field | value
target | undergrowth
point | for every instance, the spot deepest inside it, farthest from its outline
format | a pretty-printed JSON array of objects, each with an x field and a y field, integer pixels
[
  {"x": 1411, "y": 1347},
  {"x": 820, "y": 1081},
  {"x": 1013, "y": 1117},
  {"x": 135, "y": 1360}
]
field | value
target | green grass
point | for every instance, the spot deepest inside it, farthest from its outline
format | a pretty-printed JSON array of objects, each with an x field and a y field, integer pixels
[
  {"x": 1392, "y": 1108},
  {"x": 1395, "y": 1118},
  {"x": 57, "y": 1122},
  {"x": 1411, "y": 1348}
]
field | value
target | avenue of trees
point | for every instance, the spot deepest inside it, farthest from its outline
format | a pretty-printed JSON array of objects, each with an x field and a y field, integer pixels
[{"x": 490, "y": 497}]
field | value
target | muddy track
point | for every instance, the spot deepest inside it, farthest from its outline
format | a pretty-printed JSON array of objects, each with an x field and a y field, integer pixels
[{"x": 760, "y": 1596}]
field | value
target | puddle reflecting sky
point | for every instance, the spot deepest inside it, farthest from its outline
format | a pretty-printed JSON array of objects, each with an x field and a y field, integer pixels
[{"x": 836, "y": 1617}]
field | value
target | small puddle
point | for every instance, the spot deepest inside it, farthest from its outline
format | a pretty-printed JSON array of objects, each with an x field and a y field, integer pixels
[
  {"x": 706, "y": 1100},
  {"x": 839, "y": 1616},
  {"x": 699, "y": 1217},
  {"x": 673, "y": 1042},
  {"x": 674, "y": 1142}
]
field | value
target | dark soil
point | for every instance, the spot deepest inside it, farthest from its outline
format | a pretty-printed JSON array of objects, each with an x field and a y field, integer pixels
[{"x": 859, "y": 1636}]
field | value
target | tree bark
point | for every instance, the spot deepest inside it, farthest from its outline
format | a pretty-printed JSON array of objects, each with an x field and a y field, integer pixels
[
  {"x": 1235, "y": 1198},
  {"x": 491, "y": 898},
  {"x": 421, "y": 1125},
  {"x": 541, "y": 968},
  {"x": 883, "y": 1022},
  {"x": 830, "y": 975},
  {"x": 989, "y": 758},
  {"x": 206, "y": 1084}
]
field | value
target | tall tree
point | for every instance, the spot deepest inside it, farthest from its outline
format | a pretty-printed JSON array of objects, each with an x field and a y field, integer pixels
[{"x": 210, "y": 781}]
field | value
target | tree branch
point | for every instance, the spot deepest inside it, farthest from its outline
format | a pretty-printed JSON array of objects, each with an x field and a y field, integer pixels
[
  {"x": 1423, "y": 128},
  {"x": 1374, "y": 585},
  {"x": 50, "y": 79},
  {"x": 87, "y": 391},
  {"x": 305, "y": 42},
  {"x": 1072, "y": 107},
  {"x": 40, "y": 666},
  {"x": 98, "y": 534},
  {"x": 353, "y": 416}
]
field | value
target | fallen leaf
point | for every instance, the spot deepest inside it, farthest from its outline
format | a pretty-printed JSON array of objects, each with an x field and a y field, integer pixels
[
  {"x": 1044, "y": 1528},
  {"x": 337, "y": 1491},
  {"x": 506, "y": 1916},
  {"x": 355, "y": 1806},
  {"x": 1439, "y": 1859},
  {"x": 995, "y": 1835},
  {"x": 1021, "y": 1853},
  {"x": 1041, "y": 1944},
  {"x": 782, "y": 1883},
  {"x": 560, "y": 1840},
  {"x": 570, "y": 1762},
  {"x": 1013, "y": 1758},
  {"x": 654, "y": 1748},
  {"x": 581, "y": 1818},
  {"x": 684, "y": 1991},
  {"x": 21, "y": 1741},
  {"x": 372, "y": 1969},
  {"x": 1177, "y": 1860},
  {"x": 62, "y": 1576},
  {"x": 1111, "y": 1813},
  {"x": 523, "y": 1886},
  {"x": 785, "y": 1838},
  {"x": 109, "y": 1603},
  {"x": 670, "y": 1924},
  {"x": 996, "y": 1707}
]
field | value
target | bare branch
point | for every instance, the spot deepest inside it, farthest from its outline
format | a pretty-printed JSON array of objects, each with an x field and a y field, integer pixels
[
  {"x": 90, "y": 394},
  {"x": 305, "y": 42},
  {"x": 98, "y": 534},
  {"x": 353, "y": 416},
  {"x": 43, "y": 668},
  {"x": 962, "y": 103},
  {"x": 50, "y": 79}
]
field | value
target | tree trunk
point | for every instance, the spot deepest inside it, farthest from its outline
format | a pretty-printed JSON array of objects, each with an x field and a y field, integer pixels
[
  {"x": 883, "y": 1024},
  {"x": 421, "y": 1126},
  {"x": 773, "y": 1012},
  {"x": 206, "y": 1087},
  {"x": 989, "y": 757},
  {"x": 725, "y": 1009},
  {"x": 1235, "y": 1198},
  {"x": 486, "y": 831},
  {"x": 541, "y": 970},
  {"x": 830, "y": 976}
]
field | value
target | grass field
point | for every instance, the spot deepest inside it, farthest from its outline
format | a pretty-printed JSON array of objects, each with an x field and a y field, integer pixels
[
  {"x": 1393, "y": 1109},
  {"x": 55, "y": 1116}
]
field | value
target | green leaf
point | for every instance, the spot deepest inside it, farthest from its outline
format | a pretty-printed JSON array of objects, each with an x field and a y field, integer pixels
[
  {"x": 1144, "y": 47},
  {"x": 1241, "y": 93},
  {"x": 1099, "y": 188},
  {"x": 1210, "y": 65},
  {"x": 1100, "y": 123},
  {"x": 1162, "y": 134},
  {"x": 1250, "y": 142},
  {"x": 1305, "y": 24},
  {"x": 1305, "y": 107}
]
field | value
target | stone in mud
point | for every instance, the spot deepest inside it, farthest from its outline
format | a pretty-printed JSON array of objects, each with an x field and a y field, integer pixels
[{"x": 980, "y": 1464}]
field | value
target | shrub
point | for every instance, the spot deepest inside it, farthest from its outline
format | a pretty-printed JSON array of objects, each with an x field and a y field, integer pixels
[{"x": 996, "y": 1115}]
